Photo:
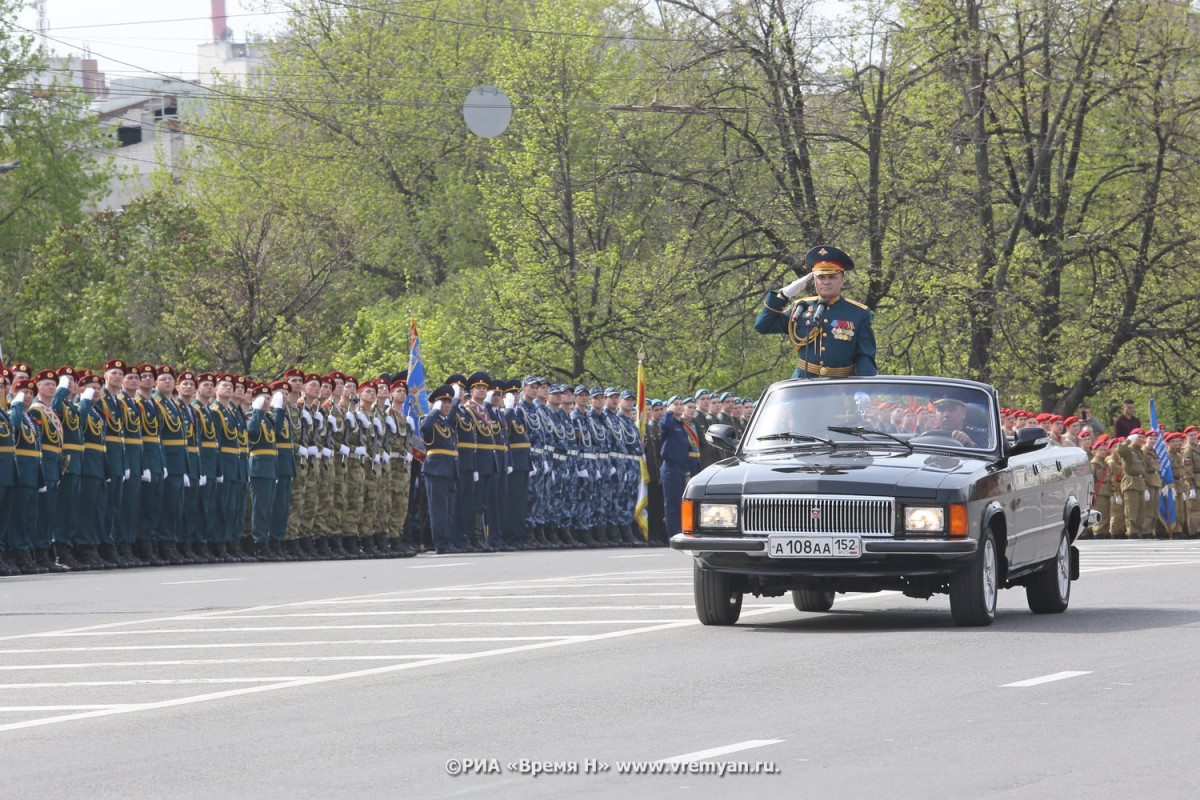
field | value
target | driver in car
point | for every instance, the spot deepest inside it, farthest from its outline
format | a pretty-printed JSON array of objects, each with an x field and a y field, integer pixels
[{"x": 952, "y": 414}]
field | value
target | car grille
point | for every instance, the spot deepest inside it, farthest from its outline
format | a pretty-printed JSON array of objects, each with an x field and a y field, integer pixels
[{"x": 865, "y": 516}]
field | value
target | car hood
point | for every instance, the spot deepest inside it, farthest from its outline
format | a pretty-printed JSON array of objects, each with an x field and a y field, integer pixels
[{"x": 918, "y": 474}]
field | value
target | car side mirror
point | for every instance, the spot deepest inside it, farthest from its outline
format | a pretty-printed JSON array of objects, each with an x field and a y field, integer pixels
[
  {"x": 721, "y": 436},
  {"x": 1028, "y": 440}
]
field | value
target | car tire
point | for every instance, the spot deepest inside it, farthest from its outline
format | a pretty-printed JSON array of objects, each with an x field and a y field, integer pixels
[
  {"x": 1049, "y": 590},
  {"x": 974, "y": 590},
  {"x": 812, "y": 600},
  {"x": 717, "y": 602}
]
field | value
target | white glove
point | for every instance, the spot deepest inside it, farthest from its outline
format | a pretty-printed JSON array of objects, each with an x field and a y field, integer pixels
[
  {"x": 612, "y": 471},
  {"x": 318, "y": 416},
  {"x": 145, "y": 476},
  {"x": 793, "y": 288},
  {"x": 350, "y": 423},
  {"x": 457, "y": 391},
  {"x": 259, "y": 403},
  {"x": 360, "y": 451},
  {"x": 1146, "y": 494},
  {"x": 408, "y": 457},
  {"x": 127, "y": 475},
  {"x": 164, "y": 473},
  {"x": 89, "y": 393},
  {"x": 343, "y": 450},
  {"x": 1165, "y": 491},
  {"x": 510, "y": 400},
  {"x": 374, "y": 459},
  {"x": 42, "y": 490},
  {"x": 220, "y": 479},
  {"x": 362, "y": 418},
  {"x": 326, "y": 452},
  {"x": 187, "y": 482},
  {"x": 476, "y": 476},
  {"x": 391, "y": 423},
  {"x": 64, "y": 382},
  {"x": 487, "y": 398},
  {"x": 203, "y": 480},
  {"x": 387, "y": 458},
  {"x": 534, "y": 470},
  {"x": 583, "y": 473},
  {"x": 552, "y": 477},
  {"x": 1117, "y": 499},
  {"x": 509, "y": 471},
  {"x": 277, "y": 400},
  {"x": 1192, "y": 494},
  {"x": 378, "y": 424},
  {"x": 307, "y": 417},
  {"x": 333, "y": 423}
]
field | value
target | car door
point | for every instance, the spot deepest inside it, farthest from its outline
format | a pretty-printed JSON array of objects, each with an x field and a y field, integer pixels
[{"x": 1024, "y": 507}]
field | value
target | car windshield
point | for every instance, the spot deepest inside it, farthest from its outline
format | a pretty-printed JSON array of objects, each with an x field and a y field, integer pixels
[{"x": 920, "y": 414}]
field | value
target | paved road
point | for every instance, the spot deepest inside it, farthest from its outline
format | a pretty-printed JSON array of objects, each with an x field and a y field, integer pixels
[{"x": 364, "y": 679}]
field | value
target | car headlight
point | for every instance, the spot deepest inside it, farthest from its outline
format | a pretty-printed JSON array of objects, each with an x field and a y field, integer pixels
[
  {"x": 718, "y": 515},
  {"x": 924, "y": 519}
]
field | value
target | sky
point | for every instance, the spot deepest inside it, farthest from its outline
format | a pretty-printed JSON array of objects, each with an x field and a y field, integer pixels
[{"x": 136, "y": 37}]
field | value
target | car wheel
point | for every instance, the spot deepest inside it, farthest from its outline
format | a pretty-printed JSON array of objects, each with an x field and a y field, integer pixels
[
  {"x": 973, "y": 590},
  {"x": 812, "y": 600},
  {"x": 1049, "y": 590},
  {"x": 717, "y": 602}
]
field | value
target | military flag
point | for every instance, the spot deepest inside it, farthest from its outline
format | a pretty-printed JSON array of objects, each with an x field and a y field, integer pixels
[
  {"x": 418, "y": 395},
  {"x": 641, "y": 510},
  {"x": 1166, "y": 499}
]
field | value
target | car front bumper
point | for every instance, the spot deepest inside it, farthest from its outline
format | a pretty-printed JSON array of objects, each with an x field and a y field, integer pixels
[{"x": 738, "y": 544}]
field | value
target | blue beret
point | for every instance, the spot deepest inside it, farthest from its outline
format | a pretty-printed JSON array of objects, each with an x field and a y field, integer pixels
[
  {"x": 687, "y": 400},
  {"x": 725, "y": 396},
  {"x": 702, "y": 393},
  {"x": 672, "y": 399},
  {"x": 656, "y": 403}
]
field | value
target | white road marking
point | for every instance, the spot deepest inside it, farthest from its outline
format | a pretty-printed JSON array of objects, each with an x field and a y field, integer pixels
[
  {"x": 308, "y": 681},
  {"x": 700, "y": 755},
  {"x": 212, "y": 580},
  {"x": 143, "y": 682},
  {"x": 58, "y": 708},
  {"x": 229, "y": 645},
  {"x": 196, "y": 662},
  {"x": 1058, "y": 676},
  {"x": 1137, "y": 566},
  {"x": 641, "y": 555},
  {"x": 448, "y": 564},
  {"x": 445, "y": 611},
  {"x": 382, "y": 600}
]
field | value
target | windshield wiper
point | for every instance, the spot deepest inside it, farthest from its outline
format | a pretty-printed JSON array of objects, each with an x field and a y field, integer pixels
[
  {"x": 862, "y": 432},
  {"x": 794, "y": 437}
]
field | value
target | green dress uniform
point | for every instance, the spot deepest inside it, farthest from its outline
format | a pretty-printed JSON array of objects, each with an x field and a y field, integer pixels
[
  {"x": 285, "y": 471},
  {"x": 831, "y": 339},
  {"x": 263, "y": 460}
]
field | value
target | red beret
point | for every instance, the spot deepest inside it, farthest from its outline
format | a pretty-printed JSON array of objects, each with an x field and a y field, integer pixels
[
  {"x": 293, "y": 373},
  {"x": 1190, "y": 428},
  {"x": 45, "y": 375},
  {"x": 21, "y": 366},
  {"x": 88, "y": 380},
  {"x": 187, "y": 375},
  {"x": 279, "y": 386},
  {"x": 65, "y": 369},
  {"x": 115, "y": 363},
  {"x": 1070, "y": 420},
  {"x": 312, "y": 376},
  {"x": 261, "y": 389},
  {"x": 1137, "y": 432},
  {"x": 205, "y": 376},
  {"x": 164, "y": 369},
  {"x": 23, "y": 383},
  {"x": 350, "y": 379},
  {"x": 398, "y": 384}
]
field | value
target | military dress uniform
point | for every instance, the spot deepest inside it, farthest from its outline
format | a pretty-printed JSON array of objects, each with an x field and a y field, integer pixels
[
  {"x": 23, "y": 519},
  {"x": 260, "y": 429},
  {"x": 92, "y": 521},
  {"x": 50, "y": 433},
  {"x": 1102, "y": 488},
  {"x": 440, "y": 472},
  {"x": 115, "y": 467},
  {"x": 520, "y": 458},
  {"x": 285, "y": 471},
  {"x": 832, "y": 339},
  {"x": 1133, "y": 486},
  {"x": 651, "y": 444},
  {"x": 1154, "y": 485},
  {"x": 680, "y": 453}
]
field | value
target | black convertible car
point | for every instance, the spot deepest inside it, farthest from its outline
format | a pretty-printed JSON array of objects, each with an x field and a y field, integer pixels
[{"x": 823, "y": 495}]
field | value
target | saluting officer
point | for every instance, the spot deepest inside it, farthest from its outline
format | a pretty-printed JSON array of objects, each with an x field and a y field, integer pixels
[{"x": 831, "y": 335}]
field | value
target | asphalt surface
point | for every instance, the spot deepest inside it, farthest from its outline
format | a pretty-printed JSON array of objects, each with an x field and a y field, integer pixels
[{"x": 379, "y": 678}]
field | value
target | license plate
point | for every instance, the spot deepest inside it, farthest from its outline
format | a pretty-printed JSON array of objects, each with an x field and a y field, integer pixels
[{"x": 814, "y": 546}]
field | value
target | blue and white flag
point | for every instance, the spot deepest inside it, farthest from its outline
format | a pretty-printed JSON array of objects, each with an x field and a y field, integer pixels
[
  {"x": 417, "y": 404},
  {"x": 1166, "y": 501}
]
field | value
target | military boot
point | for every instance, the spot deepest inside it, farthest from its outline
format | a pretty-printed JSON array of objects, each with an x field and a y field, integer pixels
[
  {"x": 108, "y": 556},
  {"x": 28, "y": 566},
  {"x": 7, "y": 568},
  {"x": 66, "y": 557}
]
